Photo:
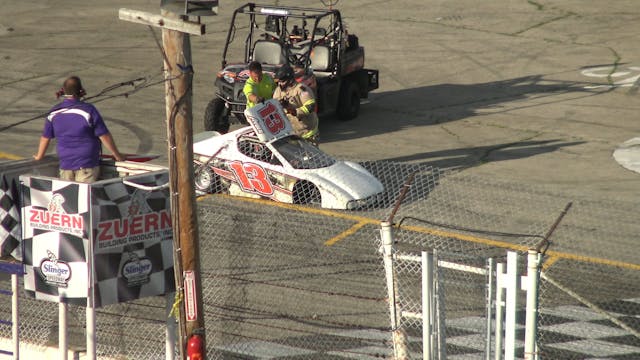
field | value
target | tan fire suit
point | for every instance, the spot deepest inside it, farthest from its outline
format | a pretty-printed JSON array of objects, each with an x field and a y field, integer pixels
[{"x": 301, "y": 98}]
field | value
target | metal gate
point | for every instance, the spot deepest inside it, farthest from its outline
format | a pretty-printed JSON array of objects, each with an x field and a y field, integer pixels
[{"x": 440, "y": 307}]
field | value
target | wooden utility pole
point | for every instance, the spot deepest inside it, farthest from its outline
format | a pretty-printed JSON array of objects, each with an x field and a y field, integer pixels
[
  {"x": 176, "y": 53},
  {"x": 178, "y": 96},
  {"x": 178, "y": 100}
]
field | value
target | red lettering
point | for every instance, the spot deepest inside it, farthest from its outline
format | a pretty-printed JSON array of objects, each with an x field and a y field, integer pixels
[
  {"x": 165, "y": 220},
  {"x": 259, "y": 180},
  {"x": 267, "y": 110},
  {"x": 241, "y": 176},
  {"x": 121, "y": 228},
  {"x": 65, "y": 221},
  {"x": 34, "y": 215},
  {"x": 138, "y": 224},
  {"x": 151, "y": 223},
  {"x": 135, "y": 227},
  {"x": 56, "y": 219},
  {"x": 105, "y": 231},
  {"x": 252, "y": 178},
  {"x": 272, "y": 118}
]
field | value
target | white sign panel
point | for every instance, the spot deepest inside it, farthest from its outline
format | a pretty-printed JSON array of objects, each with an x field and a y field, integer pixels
[
  {"x": 269, "y": 120},
  {"x": 190, "y": 306}
]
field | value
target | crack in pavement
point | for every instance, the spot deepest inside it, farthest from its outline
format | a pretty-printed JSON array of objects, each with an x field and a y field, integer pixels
[{"x": 542, "y": 23}]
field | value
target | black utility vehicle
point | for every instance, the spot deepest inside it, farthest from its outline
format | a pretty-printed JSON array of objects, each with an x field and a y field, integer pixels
[{"x": 314, "y": 42}]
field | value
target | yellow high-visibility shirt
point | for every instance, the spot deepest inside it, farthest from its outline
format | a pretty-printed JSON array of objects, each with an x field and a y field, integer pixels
[{"x": 263, "y": 89}]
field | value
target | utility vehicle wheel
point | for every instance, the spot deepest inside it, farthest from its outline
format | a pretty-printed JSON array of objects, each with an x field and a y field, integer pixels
[
  {"x": 206, "y": 180},
  {"x": 216, "y": 117},
  {"x": 305, "y": 192},
  {"x": 241, "y": 119},
  {"x": 349, "y": 102}
]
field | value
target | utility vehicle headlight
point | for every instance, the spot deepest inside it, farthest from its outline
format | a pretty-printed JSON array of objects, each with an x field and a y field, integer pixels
[{"x": 228, "y": 76}]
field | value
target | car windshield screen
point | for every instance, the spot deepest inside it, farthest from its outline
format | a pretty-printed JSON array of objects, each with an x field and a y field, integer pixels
[{"x": 301, "y": 154}]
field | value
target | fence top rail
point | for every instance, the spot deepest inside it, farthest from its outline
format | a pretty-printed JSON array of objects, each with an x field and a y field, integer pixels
[{"x": 443, "y": 264}]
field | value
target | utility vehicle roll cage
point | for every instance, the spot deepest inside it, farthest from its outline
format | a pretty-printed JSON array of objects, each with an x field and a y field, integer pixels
[{"x": 296, "y": 44}]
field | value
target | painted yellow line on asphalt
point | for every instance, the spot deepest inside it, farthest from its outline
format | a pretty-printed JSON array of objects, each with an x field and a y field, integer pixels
[
  {"x": 344, "y": 234},
  {"x": 594, "y": 260},
  {"x": 548, "y": 262},
  {"x": 468, "y": 238},
  {"x": 4, "y": 155},
  {"x": 319, "y": 211},
  {"x": 361, "y": 221}
]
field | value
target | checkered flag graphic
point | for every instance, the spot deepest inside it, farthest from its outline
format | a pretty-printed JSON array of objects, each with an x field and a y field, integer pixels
[
  {"x": 55, "y": 259},
  {"x": 132, "y": 266},
  {"x": 10, "y": 232},
  {"x": 122, "y": 231}
]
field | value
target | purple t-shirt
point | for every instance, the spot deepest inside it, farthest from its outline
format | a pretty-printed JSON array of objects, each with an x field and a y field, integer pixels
[{"x": 77, "y": 126}]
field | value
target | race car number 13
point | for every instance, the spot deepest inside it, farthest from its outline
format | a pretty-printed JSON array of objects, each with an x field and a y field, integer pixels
[{"x": 252, "y": 178}]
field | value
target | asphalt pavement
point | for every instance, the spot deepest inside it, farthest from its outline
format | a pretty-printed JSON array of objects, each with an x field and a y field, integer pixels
[
  {"x": 539, "y": 92},
  {"x": 529, "y": 92}
]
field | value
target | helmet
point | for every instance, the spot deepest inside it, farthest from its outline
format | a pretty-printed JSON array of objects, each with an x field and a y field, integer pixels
[{"x": 284, "y": 73}]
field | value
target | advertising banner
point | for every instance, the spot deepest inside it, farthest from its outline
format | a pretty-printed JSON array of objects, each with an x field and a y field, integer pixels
[
  {"x": 112, "y": 239},
  {"x": 55, "y": 219},
  {"x": 132, "y": 239},
  {"x": 10, "y": 229}
]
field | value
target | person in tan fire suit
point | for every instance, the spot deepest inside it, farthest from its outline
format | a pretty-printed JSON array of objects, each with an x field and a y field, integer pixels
[{"x": 298, "y": 102}]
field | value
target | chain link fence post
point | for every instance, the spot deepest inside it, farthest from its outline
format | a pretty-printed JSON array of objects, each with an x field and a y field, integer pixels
[
  {"x": 532, "y": 281},
  {"x": 427, "y": 305},
  {"x": 489, "y": 300},
  {"x": 399, "y": 338}
]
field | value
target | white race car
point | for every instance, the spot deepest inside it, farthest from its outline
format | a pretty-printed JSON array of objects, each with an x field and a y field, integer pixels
[{"x": 265, "y": 160}]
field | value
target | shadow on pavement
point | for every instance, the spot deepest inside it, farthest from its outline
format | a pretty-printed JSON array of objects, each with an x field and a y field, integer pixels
[
  {"x": 470, "y": 156},
  {"x": 432, "y": 105},
  {"x": 437, "y": 104}
]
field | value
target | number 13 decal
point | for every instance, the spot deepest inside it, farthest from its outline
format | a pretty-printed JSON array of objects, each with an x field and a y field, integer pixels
[{"x": 252, "y": 178}]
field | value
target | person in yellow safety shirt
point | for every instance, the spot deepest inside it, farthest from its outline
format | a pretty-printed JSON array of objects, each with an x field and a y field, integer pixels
[
  {"x": 298, "y": 102},
  {"x": 259, "y": 87}
]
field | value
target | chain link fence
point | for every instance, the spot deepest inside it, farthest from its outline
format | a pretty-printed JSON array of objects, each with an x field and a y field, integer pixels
[
  {"x": 301, "y": 282},
  {"x": 133, "y": 330},
  {"x": 274, "y": 288},
  {"x": 589, "y": 292}
]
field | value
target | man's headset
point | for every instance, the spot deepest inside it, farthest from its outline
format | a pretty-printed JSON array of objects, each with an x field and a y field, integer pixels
[{"x": 61, "y": 92}]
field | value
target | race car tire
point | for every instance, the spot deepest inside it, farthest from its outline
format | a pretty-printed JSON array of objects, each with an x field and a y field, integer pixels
[
  {"x": 349, "y": 101},
  {"x": 206, "y": 180},
  {"x": 215, "y": 117},
  {"x": 305, "y": 192}
]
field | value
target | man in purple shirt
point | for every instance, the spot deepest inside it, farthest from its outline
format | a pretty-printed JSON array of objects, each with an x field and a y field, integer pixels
[{"x": 80, "y": 131}]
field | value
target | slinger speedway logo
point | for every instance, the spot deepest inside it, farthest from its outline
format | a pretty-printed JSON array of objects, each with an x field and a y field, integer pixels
[
  {"x": 55, "y": 272},
  {"x": 136, "y": 270},
  {"x": 55, "y": 218}
]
